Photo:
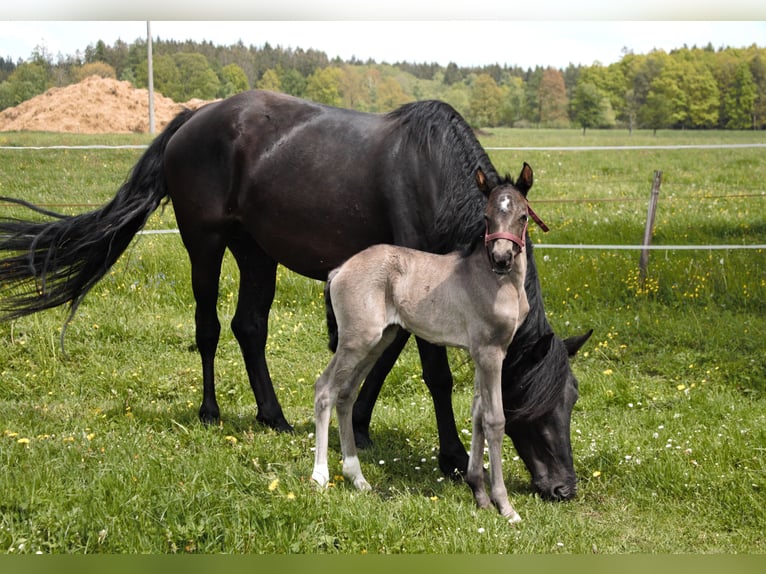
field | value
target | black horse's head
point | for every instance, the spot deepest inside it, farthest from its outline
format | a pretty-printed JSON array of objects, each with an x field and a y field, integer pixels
[{"x": 539, "y": 392}]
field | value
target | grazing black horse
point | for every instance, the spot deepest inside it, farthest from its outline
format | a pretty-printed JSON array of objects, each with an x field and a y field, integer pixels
[{"x": 276, "y": 180}]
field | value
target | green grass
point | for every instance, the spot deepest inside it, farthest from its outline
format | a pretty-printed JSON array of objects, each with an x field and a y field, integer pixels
[{"x": 101, "y": 450}]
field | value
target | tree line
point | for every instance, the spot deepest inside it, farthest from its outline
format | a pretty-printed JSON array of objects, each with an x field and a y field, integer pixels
[{"x": 686, "y": 88}]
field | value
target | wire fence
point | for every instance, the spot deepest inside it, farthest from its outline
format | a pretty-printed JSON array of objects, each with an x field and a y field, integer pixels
[{"x": 577, "y": 200}]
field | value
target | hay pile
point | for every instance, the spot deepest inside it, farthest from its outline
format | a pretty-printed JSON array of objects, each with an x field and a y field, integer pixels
[{"x": 94, "y": 106}]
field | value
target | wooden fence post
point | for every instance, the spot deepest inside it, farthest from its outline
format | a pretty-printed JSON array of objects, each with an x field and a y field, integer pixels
[{"x": 648, "y": 230}]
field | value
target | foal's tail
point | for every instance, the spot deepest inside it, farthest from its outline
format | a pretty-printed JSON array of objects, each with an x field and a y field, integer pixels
[
  {"x": 332, "y": 323},
  {"x": 58, "y": 260}
]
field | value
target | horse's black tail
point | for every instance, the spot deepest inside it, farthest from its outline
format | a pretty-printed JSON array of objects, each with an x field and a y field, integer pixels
[
  {"x": 59, "y": 260},
  {"x": 332, "y": 323}
]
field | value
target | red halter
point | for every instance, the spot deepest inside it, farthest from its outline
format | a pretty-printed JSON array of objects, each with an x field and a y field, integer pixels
[{"x": 520, "y": 241}]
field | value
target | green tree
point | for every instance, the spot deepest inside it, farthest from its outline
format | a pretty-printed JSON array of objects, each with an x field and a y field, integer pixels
[
  {"x": 758, "y": 71},
  {"x": 165, "y": 71},
  {"x": 293, "y": 82},
  {"x": 196, "y": 78},
  {"x": 486, "y": 102},
  {"x": 700, "y": 96},
  {"x": 739, "y": 101},
  {"x": 656, "y": 112},
  {"x": 323, "y": 86},
  {"x": 234, "y": 80},
  {"x": 587, "y": 105},
  {"x": 26, "y": 81},
  {"x": 269, "y": 81},
  {"x": 531, "y": 99},
  {"x": 513, "y": 105}
]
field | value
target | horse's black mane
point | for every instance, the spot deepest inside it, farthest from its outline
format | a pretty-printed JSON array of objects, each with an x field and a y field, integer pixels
[
  {"x": 442, "y": 134},
  {"x": 536, "y": 366}
]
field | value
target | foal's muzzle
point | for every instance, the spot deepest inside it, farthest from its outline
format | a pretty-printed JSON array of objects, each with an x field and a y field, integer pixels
[{"x": 502, "y": 255}]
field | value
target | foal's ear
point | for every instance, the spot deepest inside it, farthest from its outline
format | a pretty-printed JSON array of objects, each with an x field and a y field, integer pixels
[
  {"x": 524, "y": 183},
  {"x": 481, "y": 181}
]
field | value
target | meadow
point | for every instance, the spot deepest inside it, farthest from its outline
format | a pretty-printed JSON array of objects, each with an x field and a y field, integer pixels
[{"x": 101, "y": 450}]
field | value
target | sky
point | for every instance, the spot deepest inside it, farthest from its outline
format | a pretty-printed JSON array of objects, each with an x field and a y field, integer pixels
[{"x": 477, "y": 33}]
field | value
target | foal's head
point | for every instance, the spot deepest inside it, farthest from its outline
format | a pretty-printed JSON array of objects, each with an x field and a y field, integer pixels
[{"x": 506, "y": 217}]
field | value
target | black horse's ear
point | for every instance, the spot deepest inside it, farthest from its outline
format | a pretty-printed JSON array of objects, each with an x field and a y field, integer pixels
[
  {"x": 573, "y": 344},
  {"x": 541, "y": 348},
  {"x": 481, "y": 181},
  {"x": 526, "y": 177}
]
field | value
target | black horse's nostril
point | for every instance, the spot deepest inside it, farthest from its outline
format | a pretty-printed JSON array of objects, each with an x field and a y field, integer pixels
[{"x": 563, "y": 492}]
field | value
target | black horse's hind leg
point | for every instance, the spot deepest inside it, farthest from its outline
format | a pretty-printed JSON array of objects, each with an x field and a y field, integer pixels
[
  {"x": 453, "y": 458},
  {"x": 257, "y": 284},
  {"x": 206, "y": 255},
  {"x": 370, "y": 390}
]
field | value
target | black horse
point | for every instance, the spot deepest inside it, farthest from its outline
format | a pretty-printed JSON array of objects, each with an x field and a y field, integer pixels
[{"x": 276, "y": 180}]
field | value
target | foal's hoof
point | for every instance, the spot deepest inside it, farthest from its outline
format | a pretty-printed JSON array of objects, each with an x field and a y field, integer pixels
[
  {"x": 361, "y": 484},
  {"x": 320, "y": 479},
  {"x": 513, "y": 517}
]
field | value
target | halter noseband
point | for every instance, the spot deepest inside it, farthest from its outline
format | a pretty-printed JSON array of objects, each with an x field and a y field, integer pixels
[{"x": 520, "y": 241}]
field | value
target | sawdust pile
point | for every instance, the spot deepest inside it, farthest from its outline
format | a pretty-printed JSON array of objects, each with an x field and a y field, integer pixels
[{"x": 94, "y": 106}]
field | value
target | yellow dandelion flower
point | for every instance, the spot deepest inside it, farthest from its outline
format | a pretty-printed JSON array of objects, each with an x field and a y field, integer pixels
[
  {"x": 608, "y": 372},
  {"x": 290, "y": 496},
  {"x": 23, "y": 441},
  {"x": 681, "y": 387},
  {"x": 231, "y": 439},
  {"x": 273, "y": 485},
  {"x": 596, "y": 473}
]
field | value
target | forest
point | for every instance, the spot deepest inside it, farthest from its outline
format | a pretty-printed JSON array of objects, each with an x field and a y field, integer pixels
[{"x": 686, "y": 88}]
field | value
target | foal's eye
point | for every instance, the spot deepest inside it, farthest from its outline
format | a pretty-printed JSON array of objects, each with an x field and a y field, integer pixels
[{"x": 524, "y": 218}]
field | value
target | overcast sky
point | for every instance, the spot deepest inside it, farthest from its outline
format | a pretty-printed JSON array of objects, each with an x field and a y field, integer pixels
[{"x": 440, "y": 31}]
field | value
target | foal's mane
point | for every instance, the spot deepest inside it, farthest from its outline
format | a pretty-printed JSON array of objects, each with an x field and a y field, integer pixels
[{"x": 449, "y": 145}]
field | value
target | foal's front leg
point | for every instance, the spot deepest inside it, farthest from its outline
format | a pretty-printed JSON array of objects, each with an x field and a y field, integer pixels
[{"x": 489, "y": 422}]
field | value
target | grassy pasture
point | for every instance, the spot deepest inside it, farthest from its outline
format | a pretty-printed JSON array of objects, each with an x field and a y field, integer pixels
[{"x": 101, "y": 450}]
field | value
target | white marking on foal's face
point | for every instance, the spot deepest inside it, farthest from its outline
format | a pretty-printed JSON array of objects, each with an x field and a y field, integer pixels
[{"x": 505, "y": 204}]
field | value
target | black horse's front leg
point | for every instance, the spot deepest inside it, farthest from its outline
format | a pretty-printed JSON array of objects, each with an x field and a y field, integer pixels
[{"x": 453, "y": 458}]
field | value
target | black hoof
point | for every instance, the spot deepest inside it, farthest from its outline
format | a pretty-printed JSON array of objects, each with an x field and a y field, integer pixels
[
  {"x": 454, "y": 466},
  {"x": 362, "y": 439},
  {"x": 279, "y": 424},
  {"x": 209, "y": 417}
]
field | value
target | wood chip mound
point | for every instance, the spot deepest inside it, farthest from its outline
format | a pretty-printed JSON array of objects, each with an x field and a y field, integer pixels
[{"x": 95, "y": 105}]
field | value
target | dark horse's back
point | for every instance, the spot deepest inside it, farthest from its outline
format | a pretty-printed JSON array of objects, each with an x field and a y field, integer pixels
[{"x": 311, "y": 184}]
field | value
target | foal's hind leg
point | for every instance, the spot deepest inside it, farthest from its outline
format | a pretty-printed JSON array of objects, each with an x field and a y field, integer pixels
[
  {"x": 257, "y": 285},
  {"x": 335, "y": 385},
  {"x": 338, "y": 386}
]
